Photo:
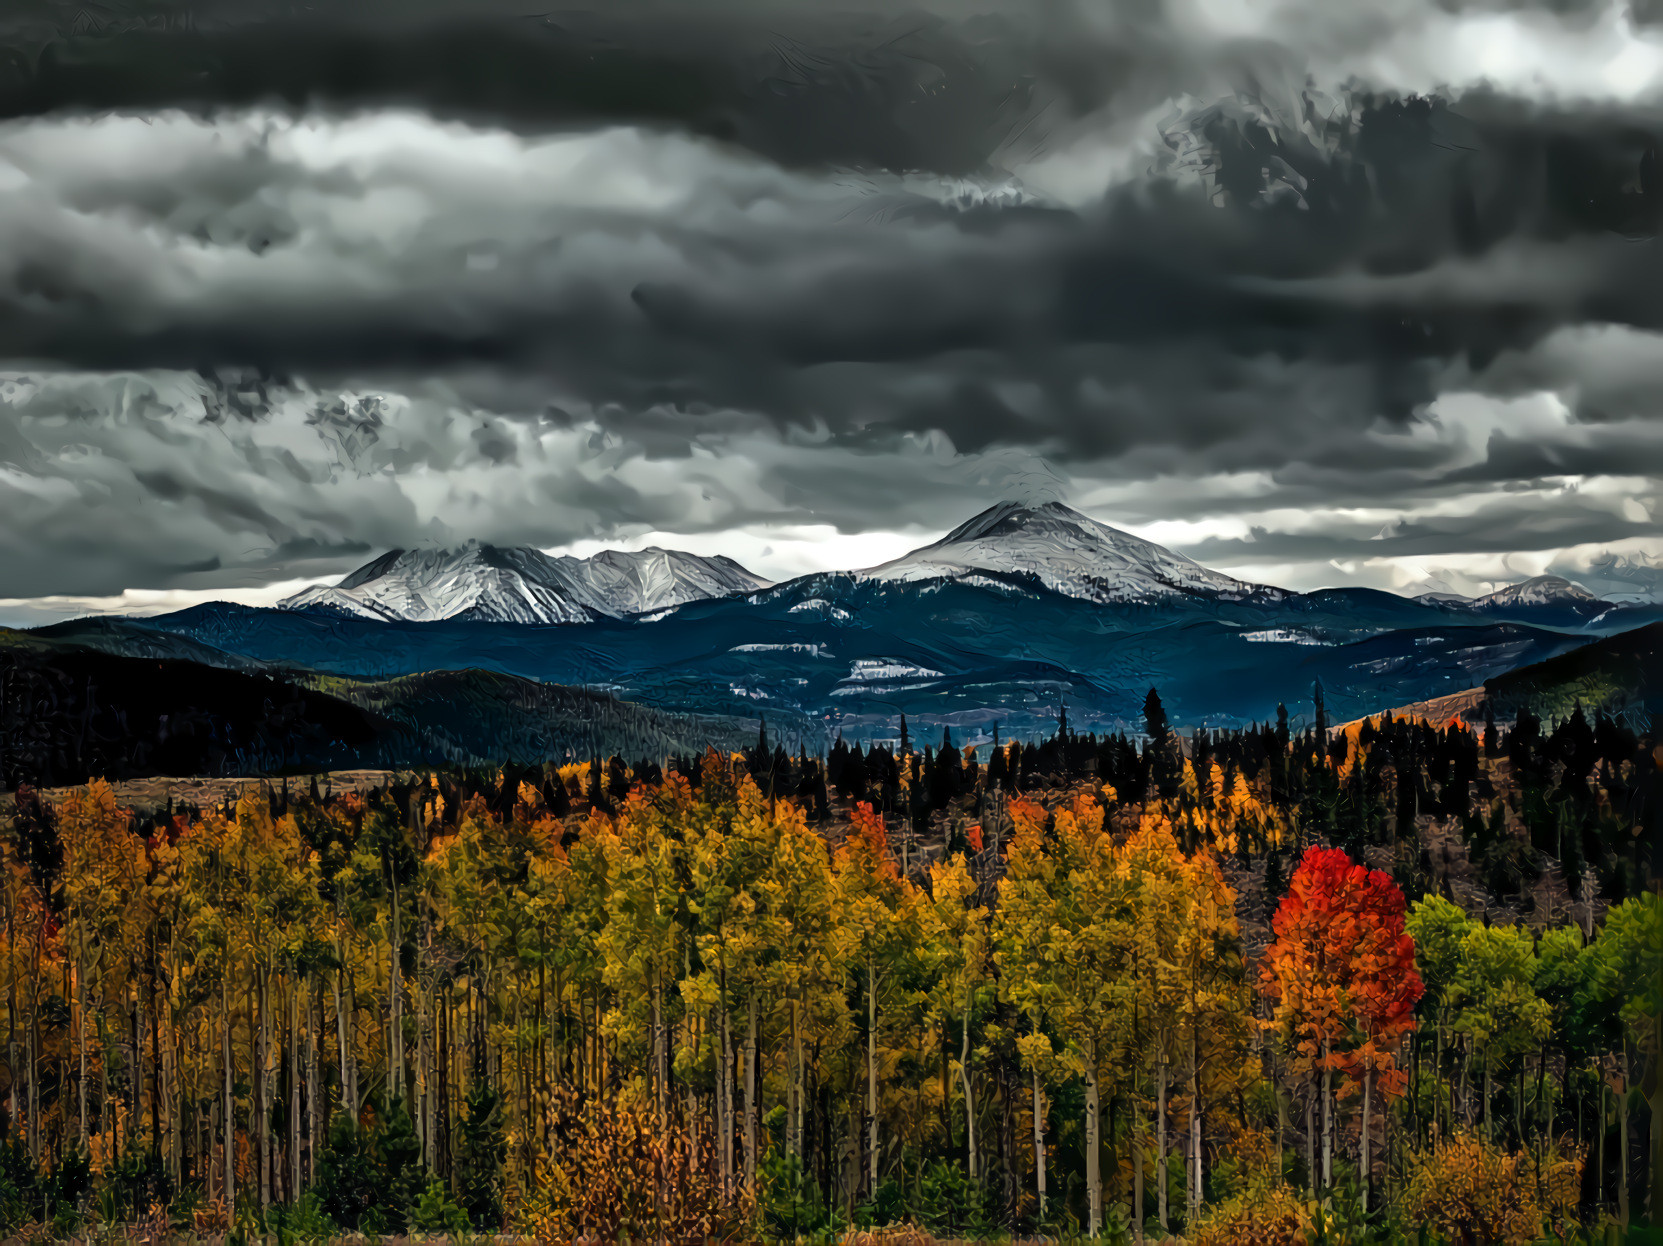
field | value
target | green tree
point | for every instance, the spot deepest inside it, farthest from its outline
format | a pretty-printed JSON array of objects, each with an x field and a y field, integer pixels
[{"x": 480, "y": 1156}]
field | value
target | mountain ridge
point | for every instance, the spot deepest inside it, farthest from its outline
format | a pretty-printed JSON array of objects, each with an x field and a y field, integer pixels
[{"x": 496, "y": 584}]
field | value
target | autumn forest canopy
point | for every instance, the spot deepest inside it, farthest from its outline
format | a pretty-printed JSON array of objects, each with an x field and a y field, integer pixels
[{"x": 1268, "y": 985}]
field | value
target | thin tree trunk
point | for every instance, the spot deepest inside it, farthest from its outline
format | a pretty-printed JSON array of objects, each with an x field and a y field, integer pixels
[
  {"x": 395, "y": 1001},
  {"x": 343, "y": 1034},
  {"x": 1311, "y": 1139},
  {"x": 314, "y": 1088},
  {"x": 660, "y": 1058},
  {"x": 265, "y": 1089},
  {"x": 969, "y": 1095},
  {"x": 1039, "y": 1144},
  {"x": 1327, "y": 1122},
  {"x": 725, "y": 1101},
  {"x": 81, "y": 1024},
  {"x": 1094, "y": 1174},
  {"x": 1622, "y": 1141},
  {"x": 294, "y": 1091},
  {"x": 1160, "y": 1142},
  {"x": 229, "y": 1122},
  {"x": 871, "y": 1075},
  {"x": 1368, "y": 1103},
  {"x": 1195, "y": 1127},
  {"x": 1489, "y": 1132},
  {"x": 1599, "y": 1161},
  {"x": 1137, "y": 1169},
  {"x": 750, "y": 1091}
]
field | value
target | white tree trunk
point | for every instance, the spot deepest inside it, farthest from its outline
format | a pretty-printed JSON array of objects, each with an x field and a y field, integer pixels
[
  {"x": 750, "y": 1092},
  {"x": 1367, "y": 1156},
  {"x": 969, "y": 1095},
  {"x": 1160, "y": 1143},
  {"x": 1039, "y": 1144},
  {"x": 872, "y": 1075},
  {"x": 1094, "y": 1174}
]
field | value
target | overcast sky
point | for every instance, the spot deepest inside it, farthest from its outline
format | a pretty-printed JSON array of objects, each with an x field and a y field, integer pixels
[{"x": 1317, "y": 293}]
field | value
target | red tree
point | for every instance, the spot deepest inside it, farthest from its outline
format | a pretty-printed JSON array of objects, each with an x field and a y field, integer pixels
[{"x": 1342, "y": 981}]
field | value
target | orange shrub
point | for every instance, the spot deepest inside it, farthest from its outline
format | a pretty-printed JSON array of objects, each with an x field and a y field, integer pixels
[{"x": 1471, "y": 1192}]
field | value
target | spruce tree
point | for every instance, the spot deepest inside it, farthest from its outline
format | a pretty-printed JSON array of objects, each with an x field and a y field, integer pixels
[
  {"x": 399, "y": 1162},
  {"x": 480, "y": 1157},
  {"x": 348, "y": 1180}
]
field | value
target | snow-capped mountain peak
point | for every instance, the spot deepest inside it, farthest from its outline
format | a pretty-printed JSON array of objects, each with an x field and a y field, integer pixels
[
  {"x": 489, "y": 583},
  {"x": 1066, "y": 551},
  {"x": 1541, "y": 590}
]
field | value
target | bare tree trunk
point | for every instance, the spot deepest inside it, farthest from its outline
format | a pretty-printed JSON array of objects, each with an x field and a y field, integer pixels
[
  {"x": 969, "y": 1094},
  {"x": 1311, "y": 1139},
  {"x": 724, "y": 1103},
  {"x": 1094, "y": 1171},
  {"x": 1160, "y": 1142},
  {"x": 660, "y": 1056},
  {"x": 265, "y": 1088},
  {"x": 1039, "y": 1144},
  {"x": 871, "y": 1075},
  {"x": 1327, "y": 1122},
  {"x": 794, "y": 1110},
  {"x": 1137, "y": 1168},
  {"x": 1195, "y": 1127},
  {"x": 1368, "y": 1103},
  {"x": 1599, "y": 1161},
  {"x": 314, "y": 1088},
  {"x": 343, "y": 1033},
  {"x": 229, "y": 1155},
  {"x": 750, "y": 1091},
  {"x": 81, "y": 1024},
  {"x": 395, "y": 1004},
  {"x": 1622, "y": 1140},
  {"x": 294, "y": 1090}
]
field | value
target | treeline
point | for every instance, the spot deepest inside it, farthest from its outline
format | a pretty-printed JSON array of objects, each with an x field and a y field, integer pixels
[
  {"x": 68, "y": 714},
  {"x": 770, "y": 993}
]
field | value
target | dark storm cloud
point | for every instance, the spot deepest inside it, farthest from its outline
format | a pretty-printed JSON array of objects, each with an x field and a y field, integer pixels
[
  {"x": 1405, "y": 237},
  {"x": 802, "y": 83}
]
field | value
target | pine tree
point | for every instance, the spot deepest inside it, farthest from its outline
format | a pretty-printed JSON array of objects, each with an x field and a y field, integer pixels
[
  {"x": 480, "y": 1157},
  {"x": 398, "y": 1154},
  {"x": 1154, "y": 718},
  {"x": 348, "y": 1181}
]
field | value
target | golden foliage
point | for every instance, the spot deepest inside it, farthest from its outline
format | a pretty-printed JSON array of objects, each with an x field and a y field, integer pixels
[
  {"x": 615, "y": 1175},
  {"x": 889, "y": 1235},
  {"x": 1471, "y": 1192},
  {"x": 1262, "y": 1215}
]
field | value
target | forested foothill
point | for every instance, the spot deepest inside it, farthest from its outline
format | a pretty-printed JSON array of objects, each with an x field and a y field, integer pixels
[{"x": 1392, "y": 981}]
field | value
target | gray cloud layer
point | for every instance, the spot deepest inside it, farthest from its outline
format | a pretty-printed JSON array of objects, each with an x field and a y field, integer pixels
[{"x": 542, "y": 277}]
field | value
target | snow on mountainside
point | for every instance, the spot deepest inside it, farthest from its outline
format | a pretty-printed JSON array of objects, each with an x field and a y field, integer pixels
[
  {"x": 492, "y": 584},
  {"x": 1068, "y": 552},
  {"x": 1542, "y": 590}
]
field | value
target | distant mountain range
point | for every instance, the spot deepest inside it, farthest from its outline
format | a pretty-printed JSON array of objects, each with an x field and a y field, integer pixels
[
  {"x": 489, "y": 584},
  {"x": 1008, "y": 618},
  {"x": 1053, "y": 546}
]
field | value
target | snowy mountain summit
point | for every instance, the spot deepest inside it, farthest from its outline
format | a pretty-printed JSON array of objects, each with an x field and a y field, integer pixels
[
  {"x": 491, "y": 584},
  {"x": 1068, "y": 552},
  {"x": 1541, "y": 590}
]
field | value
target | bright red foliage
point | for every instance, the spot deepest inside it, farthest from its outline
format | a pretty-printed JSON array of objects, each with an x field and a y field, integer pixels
[
  {"x": 869, "y": 835},
  {"x": 1341, "y": 972}
]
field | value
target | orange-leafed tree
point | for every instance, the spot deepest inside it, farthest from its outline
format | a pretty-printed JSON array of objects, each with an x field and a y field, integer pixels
[{"x": 1341, "y": 980}]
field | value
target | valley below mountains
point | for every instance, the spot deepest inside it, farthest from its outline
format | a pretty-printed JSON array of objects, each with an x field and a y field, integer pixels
[{"x": 1008, "y": 621}]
